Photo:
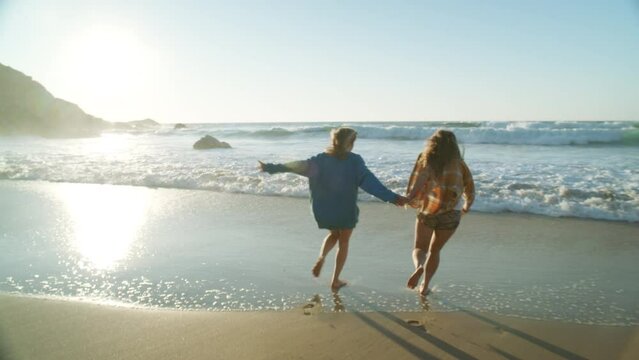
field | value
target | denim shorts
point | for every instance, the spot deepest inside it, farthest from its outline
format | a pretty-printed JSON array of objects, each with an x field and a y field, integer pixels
[{"x": 444, "y": 221}]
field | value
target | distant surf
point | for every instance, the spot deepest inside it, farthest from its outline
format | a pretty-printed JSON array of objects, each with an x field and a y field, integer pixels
[
  {"x": 579, "y": 169},
  {"x": 515, "y": 133}
]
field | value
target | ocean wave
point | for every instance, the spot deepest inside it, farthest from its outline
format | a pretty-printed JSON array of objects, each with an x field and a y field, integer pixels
[
  {"x": 605, "y": 198},
  {"x": 536, "y": 133},
  {"x": 500, "y": 133},
  {"x": 631, "y": 136},
  {"x": 600, "y": 182}
]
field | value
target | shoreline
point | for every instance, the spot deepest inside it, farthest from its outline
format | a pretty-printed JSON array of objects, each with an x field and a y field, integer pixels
[
  {"x": 307, "y": 307},
  {"x": 307, "y": 198},
  {"x": 54, "y": 329},
  {"x": 529, "y": 266}
]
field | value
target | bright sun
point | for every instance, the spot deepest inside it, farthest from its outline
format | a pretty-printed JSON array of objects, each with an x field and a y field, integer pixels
[{"x": 108, "y": 68}]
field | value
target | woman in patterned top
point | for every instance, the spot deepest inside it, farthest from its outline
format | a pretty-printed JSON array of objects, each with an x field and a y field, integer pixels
[
  {"x": 334, "y": 178},
  {"x": 439, "y": 180}
]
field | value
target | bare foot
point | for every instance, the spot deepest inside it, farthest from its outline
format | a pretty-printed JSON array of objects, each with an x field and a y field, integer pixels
[
  {"x": 423, "y": 289},
  {"x": 414, "y": 278},
  {"x": 338, "y": 284},
  {"x": 318, "y": 266}
]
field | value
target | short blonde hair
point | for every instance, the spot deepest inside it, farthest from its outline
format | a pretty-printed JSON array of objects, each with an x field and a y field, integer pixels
[{"x": 341, "y": 138}]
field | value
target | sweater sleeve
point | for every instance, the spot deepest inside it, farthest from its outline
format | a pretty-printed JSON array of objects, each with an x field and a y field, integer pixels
[
  {"x": 306, "y": 168},
  {"x": 369, "y": 183}
]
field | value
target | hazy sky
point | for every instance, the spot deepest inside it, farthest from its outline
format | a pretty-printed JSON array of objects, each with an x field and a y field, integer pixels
[{"x": 214, "y": 61}]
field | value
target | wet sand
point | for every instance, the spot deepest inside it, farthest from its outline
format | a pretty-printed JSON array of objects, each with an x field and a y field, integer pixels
[{"x": 33, "y": 328}]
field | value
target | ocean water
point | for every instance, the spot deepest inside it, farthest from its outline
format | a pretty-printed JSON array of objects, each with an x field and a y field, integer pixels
[
  {"x": 573, "y": 169},
  {"x": 149, "y": 244}
]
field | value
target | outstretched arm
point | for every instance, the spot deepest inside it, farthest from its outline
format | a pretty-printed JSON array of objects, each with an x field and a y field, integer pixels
[{"x": 300, "y": 167}]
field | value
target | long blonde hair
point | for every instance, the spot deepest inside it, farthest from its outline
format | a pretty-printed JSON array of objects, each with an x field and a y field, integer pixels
[
  {"x": 341, "y": 139},
  {"x": 441, "y": 149}
]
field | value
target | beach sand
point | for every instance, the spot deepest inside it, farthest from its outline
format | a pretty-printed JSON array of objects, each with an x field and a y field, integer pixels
[
  {"x": 273, "y": 242},
  {"x": 49, "y": 329}
]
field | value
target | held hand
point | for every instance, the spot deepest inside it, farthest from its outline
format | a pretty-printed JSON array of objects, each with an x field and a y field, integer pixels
[
  {"x": 401, "y": 200},
  {"x": 261, "y": 166}
]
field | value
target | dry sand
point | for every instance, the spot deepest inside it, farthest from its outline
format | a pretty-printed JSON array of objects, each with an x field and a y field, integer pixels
[{"x": 33, "y": 328}]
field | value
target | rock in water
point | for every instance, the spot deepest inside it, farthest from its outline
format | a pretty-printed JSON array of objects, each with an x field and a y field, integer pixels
[
  {"x": 209, "y": 142},
  {"x": 179, "y": 126}
]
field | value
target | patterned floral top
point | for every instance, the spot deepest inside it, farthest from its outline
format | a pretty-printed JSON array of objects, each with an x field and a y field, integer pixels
[{"x": 433, "y": 196}]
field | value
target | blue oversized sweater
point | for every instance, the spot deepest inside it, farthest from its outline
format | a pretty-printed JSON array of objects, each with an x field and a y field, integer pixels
[{"x": 334, "y": 184}]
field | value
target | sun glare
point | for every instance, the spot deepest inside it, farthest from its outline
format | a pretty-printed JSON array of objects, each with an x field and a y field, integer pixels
[
  {"x": 105, "y": 221},
  {"x": 110, "y": 145},
  {"x": 107, "y": 68}
]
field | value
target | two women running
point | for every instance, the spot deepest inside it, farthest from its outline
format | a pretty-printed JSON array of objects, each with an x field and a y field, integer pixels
[{"x": 439, "y": 180}]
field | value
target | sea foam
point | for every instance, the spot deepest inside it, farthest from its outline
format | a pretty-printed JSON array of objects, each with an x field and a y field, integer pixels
[{"x": 518, "y": 167}]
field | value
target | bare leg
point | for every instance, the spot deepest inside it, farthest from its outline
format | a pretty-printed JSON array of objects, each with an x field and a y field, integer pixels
[
  {"x": 340, "y": 258},
  {"x": 329, "y": 242},
  {"x": 422, "y": 239},
  {"x": 437, "y": 242}
]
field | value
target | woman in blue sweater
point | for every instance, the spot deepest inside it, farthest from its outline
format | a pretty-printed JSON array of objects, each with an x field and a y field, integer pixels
[{"x": 334, "y": 177}]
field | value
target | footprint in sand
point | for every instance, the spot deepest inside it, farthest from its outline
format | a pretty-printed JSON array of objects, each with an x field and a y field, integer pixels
[
  {"x": 313, "y": 306},
  {"x": 416, "y": 324},
  {"x": 308, "y": 308}
]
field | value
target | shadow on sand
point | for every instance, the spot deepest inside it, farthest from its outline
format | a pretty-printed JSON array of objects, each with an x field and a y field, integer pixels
[
  {"x": 415, "y": 328},
  {"x": 418, "y": 329},
  {"x": 566, "y": 354}
]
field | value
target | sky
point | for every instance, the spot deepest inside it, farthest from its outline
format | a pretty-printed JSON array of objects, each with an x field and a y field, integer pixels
[{"x": 252, "y": 61}]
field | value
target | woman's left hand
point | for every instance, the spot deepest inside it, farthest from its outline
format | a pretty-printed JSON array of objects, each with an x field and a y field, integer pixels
[
  {"x": 401, "y": 200},
  {"x": 261, "y": 166}
]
